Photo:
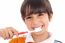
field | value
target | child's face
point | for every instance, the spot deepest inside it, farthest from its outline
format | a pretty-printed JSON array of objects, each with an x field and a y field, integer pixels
[{"x": 37, "y": 20}]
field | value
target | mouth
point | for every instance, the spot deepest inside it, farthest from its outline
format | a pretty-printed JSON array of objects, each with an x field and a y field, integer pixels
[{"x": 37, "y": 29}]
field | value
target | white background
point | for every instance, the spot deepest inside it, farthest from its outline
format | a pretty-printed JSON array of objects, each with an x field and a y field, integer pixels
[{"x": 10, "y": 17}]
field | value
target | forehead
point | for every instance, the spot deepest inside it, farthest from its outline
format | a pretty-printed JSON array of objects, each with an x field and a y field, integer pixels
[
  {"x": 36, "y": 14},
  {"x": 32, "y": 14}
]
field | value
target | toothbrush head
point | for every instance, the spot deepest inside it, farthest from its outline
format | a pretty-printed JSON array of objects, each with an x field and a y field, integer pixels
[{"x": 37, "y": 30}]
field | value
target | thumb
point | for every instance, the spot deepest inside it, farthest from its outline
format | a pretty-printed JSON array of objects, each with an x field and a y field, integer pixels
[{"x": 16, "y": 33}]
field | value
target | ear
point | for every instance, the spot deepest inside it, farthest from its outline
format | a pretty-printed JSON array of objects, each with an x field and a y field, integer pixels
[{"x": 50, "y": 17}]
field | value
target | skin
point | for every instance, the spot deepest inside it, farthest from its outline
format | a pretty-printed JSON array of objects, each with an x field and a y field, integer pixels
[
  {"x": 36, "y": 20},
  {"x": 8, "y": 32}
]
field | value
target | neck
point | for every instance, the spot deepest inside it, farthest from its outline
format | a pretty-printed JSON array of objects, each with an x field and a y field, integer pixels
[{"x": 39, "y": 38}]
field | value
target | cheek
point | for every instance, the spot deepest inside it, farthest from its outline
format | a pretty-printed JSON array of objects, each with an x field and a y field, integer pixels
[
  {"x": 28, "y": 23},
  {"x": 45, "y": 22}
]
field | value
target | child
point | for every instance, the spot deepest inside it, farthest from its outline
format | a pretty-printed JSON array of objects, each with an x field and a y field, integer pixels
[{"x": 37, "y": 14}]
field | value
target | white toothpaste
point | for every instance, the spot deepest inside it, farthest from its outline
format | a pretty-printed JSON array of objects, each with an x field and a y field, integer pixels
[{"x": 37, "y": 30}]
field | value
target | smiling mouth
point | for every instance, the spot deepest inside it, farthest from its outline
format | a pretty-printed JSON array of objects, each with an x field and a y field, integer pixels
[{"x": 37, "y": 29}]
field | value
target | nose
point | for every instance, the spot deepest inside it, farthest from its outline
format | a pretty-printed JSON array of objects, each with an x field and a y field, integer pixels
[{"x": 36, "y": 22}]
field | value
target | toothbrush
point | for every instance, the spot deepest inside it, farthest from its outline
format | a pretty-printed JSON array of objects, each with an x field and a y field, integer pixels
[
  {"x": 22, "y": 33},
  {"x": 36, "y": 30}
]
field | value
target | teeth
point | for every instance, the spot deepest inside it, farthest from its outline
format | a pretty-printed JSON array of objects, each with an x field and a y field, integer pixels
[{"x": 37, "y": 29}]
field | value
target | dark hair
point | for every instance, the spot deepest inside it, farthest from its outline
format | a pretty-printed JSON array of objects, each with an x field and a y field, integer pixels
[{"x": 35, "y": 6}]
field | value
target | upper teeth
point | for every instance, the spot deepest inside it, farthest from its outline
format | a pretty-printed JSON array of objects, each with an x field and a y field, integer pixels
[{"x": 37, "y": 29}]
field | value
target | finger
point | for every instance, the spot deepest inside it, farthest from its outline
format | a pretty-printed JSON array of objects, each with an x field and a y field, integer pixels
[
  {"x": 15, "y": 32},
  {"x": 3, "y": 34},
  {"x": 10, "y": 34},
  {"x": 6, "y": 34}
]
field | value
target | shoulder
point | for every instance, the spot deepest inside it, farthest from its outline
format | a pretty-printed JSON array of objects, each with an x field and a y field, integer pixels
[{"x": 56, "y": 41}]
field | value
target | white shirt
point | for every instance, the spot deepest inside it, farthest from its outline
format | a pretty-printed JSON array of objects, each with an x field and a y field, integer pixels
[
  {"x": 49, "y": 40},
  {"x": 29, "y": 38}
]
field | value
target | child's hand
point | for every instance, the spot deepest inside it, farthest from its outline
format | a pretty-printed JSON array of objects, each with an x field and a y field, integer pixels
[{"x": 8, "y": 32}]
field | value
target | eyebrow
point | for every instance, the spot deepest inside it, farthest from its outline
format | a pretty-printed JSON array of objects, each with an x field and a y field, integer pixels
[{"x": 34, "y": 14}]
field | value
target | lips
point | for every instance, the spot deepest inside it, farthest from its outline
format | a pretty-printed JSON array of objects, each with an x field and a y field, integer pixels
[{"x": 37, "y": 29}]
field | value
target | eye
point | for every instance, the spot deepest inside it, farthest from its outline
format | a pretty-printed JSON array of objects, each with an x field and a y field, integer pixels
[
  {"x": 40, "y": 14},
  {"x": 28, "y": 17}
]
